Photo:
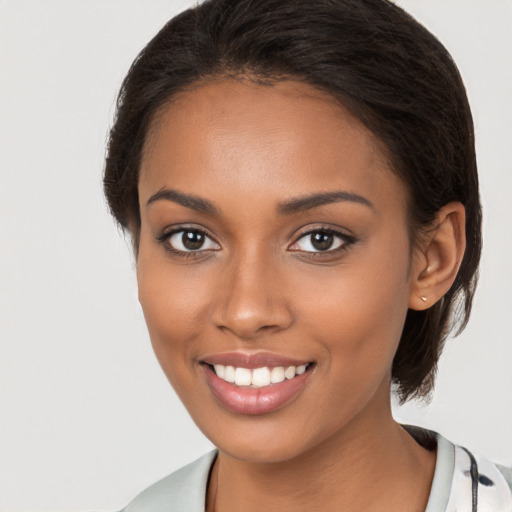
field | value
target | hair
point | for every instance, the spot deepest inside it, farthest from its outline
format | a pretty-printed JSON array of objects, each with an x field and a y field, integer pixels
[{"x": 368, "y": 55}]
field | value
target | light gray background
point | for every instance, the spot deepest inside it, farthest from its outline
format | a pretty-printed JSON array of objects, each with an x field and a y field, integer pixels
[{"x": 87, "y": 418}]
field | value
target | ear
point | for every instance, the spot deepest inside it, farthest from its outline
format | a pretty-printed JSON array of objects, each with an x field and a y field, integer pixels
[{"x": 438, "y": 257}]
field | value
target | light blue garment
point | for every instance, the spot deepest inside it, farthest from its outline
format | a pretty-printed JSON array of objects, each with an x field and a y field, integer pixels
[
  {"x": 185, "y": 490},
  {"x": 181, "y": 491}
]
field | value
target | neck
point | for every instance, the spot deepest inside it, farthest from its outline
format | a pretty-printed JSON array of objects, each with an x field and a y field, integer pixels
[{"x": 361, "y": 468}]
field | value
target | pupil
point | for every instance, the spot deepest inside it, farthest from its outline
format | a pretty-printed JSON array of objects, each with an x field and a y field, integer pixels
[
  {"x": 322, "y": 241},
  {"x": 192, "y": 240}
]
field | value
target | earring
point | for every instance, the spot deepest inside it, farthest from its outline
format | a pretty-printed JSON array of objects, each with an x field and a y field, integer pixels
[{"x": 423, "y": 298}]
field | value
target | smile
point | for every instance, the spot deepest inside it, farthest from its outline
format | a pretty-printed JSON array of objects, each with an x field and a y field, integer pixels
[
  {"x": 258, "y": 377},
  {"x": 255, "y": 384}
]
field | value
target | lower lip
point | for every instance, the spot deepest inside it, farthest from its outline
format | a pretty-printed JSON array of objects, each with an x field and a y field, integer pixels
[{"x": 254, "y": 401}]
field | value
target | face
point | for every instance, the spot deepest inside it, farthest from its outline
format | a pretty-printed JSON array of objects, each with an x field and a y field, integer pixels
[{"x": 274, "y": 265}]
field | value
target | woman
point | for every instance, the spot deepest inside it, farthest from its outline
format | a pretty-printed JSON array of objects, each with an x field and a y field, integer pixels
[{"x": 299, "y": 181}]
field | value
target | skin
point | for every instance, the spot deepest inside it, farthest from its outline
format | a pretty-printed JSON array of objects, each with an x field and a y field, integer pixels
[{"x": 257, "y": 285}]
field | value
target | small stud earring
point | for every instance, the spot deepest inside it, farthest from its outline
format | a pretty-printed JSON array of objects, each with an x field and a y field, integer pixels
[{"x": 423, "y": 298}]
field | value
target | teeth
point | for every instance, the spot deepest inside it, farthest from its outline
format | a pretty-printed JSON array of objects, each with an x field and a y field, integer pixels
[
  {"x": 259, "y": 377},
  {"x": 243, "y": 377},
  {"x": 289, "y": 373},
  {"x": 277, "y": 375},
  {"x": 300, "y": 369},
  {"x": 229, "y": 374},
  {"x": 220, "y": 370}
]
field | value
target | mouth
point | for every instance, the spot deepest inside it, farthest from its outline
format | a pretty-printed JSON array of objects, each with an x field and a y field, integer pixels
[
  {"x": 255, "y": 385},
  {"x": 258, "y": 377}
]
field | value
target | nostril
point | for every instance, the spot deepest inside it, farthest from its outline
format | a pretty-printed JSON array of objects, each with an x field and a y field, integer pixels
[
  {"x": 249, "y": 303},
  {"x": 247, "y": 331}
]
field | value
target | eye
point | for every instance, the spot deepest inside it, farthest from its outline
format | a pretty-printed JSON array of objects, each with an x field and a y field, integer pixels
[
  {"x": 189, "y": 240},
  {"x": 321, "y": 240}
]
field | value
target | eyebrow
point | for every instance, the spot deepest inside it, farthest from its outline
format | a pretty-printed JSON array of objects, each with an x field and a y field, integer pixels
[
  {"x": 304, "y": 203},
  {"x": 288, "y": 207},
  {"x": 188, "y": 200}
]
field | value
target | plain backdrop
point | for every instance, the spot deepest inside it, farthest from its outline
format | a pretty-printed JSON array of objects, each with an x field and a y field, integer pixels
[{"x": 87, "y": 417}]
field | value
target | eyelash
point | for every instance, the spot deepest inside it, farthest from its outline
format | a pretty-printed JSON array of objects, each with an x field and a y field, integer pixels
[
  {"x": 345, "y": 242},
  {"x": 166, "y": 236}
]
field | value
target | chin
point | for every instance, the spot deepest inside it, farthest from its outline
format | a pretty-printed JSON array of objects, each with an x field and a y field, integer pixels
[
  {"x": 262, "y": 453},
  {"x": 265, "y": 439}
]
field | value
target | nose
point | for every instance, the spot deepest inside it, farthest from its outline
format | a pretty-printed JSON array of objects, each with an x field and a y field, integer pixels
[{"x": 252, "y": 299}]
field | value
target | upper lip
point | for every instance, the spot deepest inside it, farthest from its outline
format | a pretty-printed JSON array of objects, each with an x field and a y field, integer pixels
[{"x": 252, "y": 360}]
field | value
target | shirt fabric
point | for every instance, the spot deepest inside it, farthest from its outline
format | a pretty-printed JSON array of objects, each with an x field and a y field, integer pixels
[{"x": 452, "y": 486}]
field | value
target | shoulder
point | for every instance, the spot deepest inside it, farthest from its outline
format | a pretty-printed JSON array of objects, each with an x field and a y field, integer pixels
[
  {"x": 507, "y": 474},
  {"x": 475, "y": 481},
  {"x": 463, "y": 480},
  {"x": 182, "y": 490}
]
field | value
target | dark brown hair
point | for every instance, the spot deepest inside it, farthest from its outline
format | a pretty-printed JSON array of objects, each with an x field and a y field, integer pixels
[{"x": 370, "y": 56}]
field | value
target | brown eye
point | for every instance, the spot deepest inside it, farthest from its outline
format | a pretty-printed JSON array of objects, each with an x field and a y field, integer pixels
[
  {"x": 191, "y": 240},
  {"x": 322, "y": 241}
]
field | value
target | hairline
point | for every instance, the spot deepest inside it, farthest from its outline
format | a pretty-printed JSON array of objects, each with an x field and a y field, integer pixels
[{"x": 269, "y": 79}]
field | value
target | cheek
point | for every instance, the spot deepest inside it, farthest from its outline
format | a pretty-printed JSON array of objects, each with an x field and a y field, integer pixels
[
  {"x": 171, "y": 294},
  {"x": 169, "y": 311},
  {"x": 174, "y": 309},
  {"x": 359, "y": 311},
  {"x": 357, "y": 320}
]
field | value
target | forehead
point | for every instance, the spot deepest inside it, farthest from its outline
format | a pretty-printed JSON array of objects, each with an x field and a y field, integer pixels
[{"x": 244, "y": 136}]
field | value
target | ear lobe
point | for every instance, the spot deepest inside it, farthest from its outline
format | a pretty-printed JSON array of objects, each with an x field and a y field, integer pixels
[{"x": 439, "y": 257}]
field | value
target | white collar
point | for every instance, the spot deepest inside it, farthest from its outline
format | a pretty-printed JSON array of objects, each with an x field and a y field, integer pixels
[{"x": 451, "y": 491}]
